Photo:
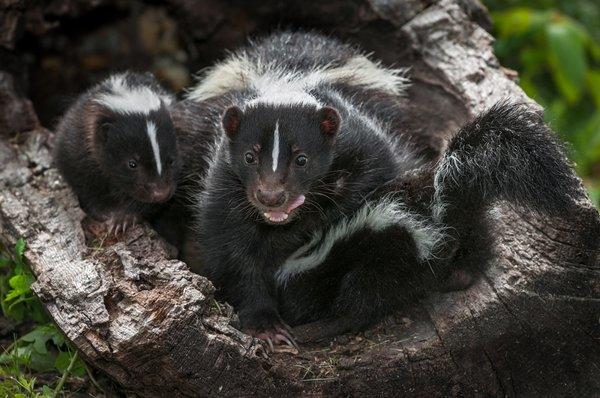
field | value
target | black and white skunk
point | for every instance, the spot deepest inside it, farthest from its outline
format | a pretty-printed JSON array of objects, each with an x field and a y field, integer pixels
[
  {"x": 117, "y": 149},
  {"x": 310, "y": 204}
]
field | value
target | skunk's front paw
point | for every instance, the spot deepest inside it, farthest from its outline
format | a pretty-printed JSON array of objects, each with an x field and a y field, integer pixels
[
  {"x": 118, "y": 222},
  {"x": 268, "y": 327}
]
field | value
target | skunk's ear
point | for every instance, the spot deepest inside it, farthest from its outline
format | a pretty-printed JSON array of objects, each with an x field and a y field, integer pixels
[
  {"x": 329, "y": 121},
  {"x": 231, "y": 120},
  {"x": 103, "y": 128},
  {"x": 97, "y": 122}
]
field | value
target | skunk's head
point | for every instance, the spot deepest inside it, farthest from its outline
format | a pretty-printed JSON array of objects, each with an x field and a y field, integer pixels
[
  {"x": 278, "y": 152},
  {"x": 138, "y": 153},
  {"x": 133, "y": 137}
]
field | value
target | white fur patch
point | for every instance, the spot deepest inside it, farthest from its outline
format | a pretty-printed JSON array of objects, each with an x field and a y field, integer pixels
[
  {"x": 126, "y": 99},
  {"x": 448, "y": 167},
  {"x": 231, "y": 75},
  {"x": 151, "y": 130},
  {"x": 275, "y": 153},
  {"x": 275, "y": 85},
  {"x": 374, "y": 217},
  {"x": 361, "y": 71},
  {"x": 283, "y": 98}
]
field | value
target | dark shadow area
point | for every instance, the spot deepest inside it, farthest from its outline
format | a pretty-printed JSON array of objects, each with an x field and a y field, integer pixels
[{"x": 175, "y": 42}]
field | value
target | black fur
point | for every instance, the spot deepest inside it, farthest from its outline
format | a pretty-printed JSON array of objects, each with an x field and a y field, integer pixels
[
  {"x": 507, "y": 153},
  {"x": 94, "y": 147}
]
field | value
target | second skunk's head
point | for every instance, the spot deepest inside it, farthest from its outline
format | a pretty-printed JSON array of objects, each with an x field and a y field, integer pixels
[
  {"x": 278, "y": 152},
  {"x": 139, "y": 154},
  {"x": 134, "y": 138}
]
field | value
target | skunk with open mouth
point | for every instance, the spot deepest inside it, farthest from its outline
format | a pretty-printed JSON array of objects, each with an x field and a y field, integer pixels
[{"x": 310, "y": 204}]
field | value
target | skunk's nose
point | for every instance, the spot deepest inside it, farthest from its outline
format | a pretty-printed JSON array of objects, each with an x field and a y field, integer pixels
[
  {"x": 271, "y": 198},
  {"x": 161, "y": 193}
]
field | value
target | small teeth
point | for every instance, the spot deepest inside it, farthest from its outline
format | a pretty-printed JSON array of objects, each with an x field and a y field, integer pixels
[{"x": 275, "y": 217}]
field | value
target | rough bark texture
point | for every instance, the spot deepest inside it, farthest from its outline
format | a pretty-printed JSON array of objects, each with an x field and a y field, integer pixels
[{"x": 528, "y": 327}]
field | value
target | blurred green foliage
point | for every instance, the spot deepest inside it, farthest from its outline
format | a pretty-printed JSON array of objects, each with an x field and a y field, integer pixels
[{"x": 555, "y": 47}]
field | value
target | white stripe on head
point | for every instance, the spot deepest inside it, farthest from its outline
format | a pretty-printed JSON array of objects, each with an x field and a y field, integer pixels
[
  {"x": 275, "y": 153},
  {"x": 125, "y": 99},
  {"x": 285, "y": 97},
  {"x": 151, "y": 130},
  {"x": 276, "y": 84}
]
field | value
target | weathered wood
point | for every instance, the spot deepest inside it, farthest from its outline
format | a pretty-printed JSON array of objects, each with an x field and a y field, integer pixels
[{"x": 528, "y": 327}]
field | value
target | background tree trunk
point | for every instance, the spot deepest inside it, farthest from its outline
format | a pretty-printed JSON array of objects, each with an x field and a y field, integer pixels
[{"x": 528, "y": 327}]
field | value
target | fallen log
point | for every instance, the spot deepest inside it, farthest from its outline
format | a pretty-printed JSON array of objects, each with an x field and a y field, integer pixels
[{"x": 528, "y": 326}]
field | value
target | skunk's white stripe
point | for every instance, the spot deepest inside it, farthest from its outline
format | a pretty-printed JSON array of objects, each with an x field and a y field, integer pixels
[
  {"x": 375, "y": 217},
  {"x": 151, "y": 130},
  {"x": 276, "y": 85},
  {"x": 126, "y": 99},
  {"x": 361, "y": 71},
  {"x": 284, "y": 98},
  {"x": 275, "y": 153}
]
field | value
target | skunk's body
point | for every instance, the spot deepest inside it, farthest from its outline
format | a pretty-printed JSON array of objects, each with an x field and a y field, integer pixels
[
  {"x": 117, "y": 149},
  {"x": 351, "y": 235}
]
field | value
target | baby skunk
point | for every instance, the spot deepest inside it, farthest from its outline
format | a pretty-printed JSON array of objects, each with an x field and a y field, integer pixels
[
  {"x": 299, "y": 157},
  {"x": 310, "y": 209},
  {"x": 117, "y": 149}
]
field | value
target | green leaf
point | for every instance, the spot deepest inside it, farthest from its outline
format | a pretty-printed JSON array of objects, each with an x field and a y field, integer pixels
[
  {"x": 594, "y": 48},
  {"x": 20, "y": 248},
  {"x": 519, "y": 21},
  {"x": 39, "y": 336},
  {"x": 58, "y": 339},
  {"x": 22, "y": 354},
  {"x": 78, "y": 368},
  {"x": 20, "y": 286},
  {"x": 567, "y": 58},
  {"x": 64, "y": 359},
  {"x": 41, "y": 362},
  {"x": 47, "y": 391},
  {"x": 21, "y": 282},
  {"x": 5, "y": 358},
  {"x": 16, "y": 313},
  {"x": 37, "y": 313},
  {"x": 593, "y": 81}
]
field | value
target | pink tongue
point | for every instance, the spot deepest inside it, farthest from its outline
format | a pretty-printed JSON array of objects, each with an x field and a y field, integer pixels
[{"x": 296, "y": 203}]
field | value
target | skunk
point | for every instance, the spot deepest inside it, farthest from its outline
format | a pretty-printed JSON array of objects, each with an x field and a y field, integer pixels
[
  {"x": 117, "y": 149},
  {"x": 310, "y": 203}
]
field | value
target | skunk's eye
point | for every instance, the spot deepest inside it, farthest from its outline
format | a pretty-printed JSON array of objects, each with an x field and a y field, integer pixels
[
  {"x": 301, "y": 160},
  {"x": 249, "y": 158},
  {"x": 132, "y": 164}
]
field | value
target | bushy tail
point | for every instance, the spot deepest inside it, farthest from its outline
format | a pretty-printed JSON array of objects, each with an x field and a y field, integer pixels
[{"x": 506, "y": 153}]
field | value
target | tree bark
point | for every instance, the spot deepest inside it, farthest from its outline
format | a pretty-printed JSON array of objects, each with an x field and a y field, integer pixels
[{"x": 528, "y": 327}]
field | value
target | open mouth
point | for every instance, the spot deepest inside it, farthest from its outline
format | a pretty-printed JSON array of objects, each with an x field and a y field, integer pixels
[{"x": 281, "y": 216}]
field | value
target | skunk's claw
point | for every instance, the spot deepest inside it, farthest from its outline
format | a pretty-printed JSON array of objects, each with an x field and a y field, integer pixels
[
  {"x": 275, "y": 336},
  {"x": 119, "y": 223}
]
